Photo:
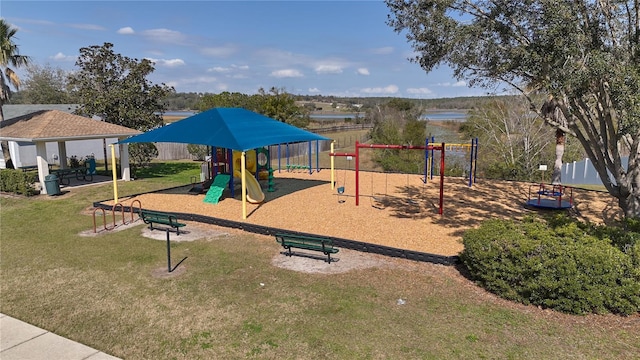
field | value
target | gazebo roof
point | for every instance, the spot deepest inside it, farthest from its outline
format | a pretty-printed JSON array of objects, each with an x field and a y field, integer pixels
[{"x": 56, "y": 125}]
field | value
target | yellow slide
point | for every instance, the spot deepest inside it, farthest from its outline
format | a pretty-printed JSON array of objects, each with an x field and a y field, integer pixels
[{"x": 254, "y": 191}]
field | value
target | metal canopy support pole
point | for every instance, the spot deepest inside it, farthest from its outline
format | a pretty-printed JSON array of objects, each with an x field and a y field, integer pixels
[
  {"x": 244, "y": 184},
  {"x": 317, "y": 155},
  {"x": 357, "y": 173},
  {"x": 310, "y": 167},
  {"x": 441, "y": 180}
]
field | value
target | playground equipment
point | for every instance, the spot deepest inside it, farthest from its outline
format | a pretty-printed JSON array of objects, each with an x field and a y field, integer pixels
[
  {"x": 341, "y": 189},
  {"x": 355, "y": 155},
  {"x": 550, "y": 196},
  {"x": 299, "y": 157},
  {"x": 470, "y": 148},
  {"x": 254, "y": 191}
]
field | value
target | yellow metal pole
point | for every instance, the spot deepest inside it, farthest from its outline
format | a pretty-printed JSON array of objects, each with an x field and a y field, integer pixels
[
  {"x": 332, "y": 164},
  {"x": 244, "y": 184},
  {"x": 115, "y": 174}
]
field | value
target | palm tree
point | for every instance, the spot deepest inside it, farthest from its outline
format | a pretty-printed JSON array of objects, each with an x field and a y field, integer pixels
[{"x": 9, "y": 55}]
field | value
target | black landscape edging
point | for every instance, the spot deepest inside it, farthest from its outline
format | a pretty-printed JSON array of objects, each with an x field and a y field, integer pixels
[{"x": 343, "y": 243}]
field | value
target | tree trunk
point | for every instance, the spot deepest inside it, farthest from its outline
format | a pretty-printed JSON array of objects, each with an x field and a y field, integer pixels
[
  {"x": 630, "y": 205},
  {"x": 556, "y": 177},
  {"x": 5, "y": 146}
]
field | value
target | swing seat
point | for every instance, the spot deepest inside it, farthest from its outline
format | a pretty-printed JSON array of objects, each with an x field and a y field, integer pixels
[{"x": 341, "y": 190}]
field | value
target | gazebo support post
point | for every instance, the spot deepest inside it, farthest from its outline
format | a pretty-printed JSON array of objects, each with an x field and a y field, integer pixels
[{"x": 43, "y": 165}]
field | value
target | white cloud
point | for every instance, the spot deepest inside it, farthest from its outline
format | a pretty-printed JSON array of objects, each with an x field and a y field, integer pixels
[
  {"x": 363, "y": 71},
  {"x": 194, "y": 80},
  {"x": 419, "y": 91},
  {"x": 219, "y": 69},
  {"x": 383, "y": 50},
  {"x": 219, "y": 51},
  {"x": 62, "y": 57},
  {"x": 286, "y": 73},
  {"x": 233, "y": 71},
  {"x": 389, "y": 89},
  {"x": 165, "y": 36},
  {"x": 168, "y": 62},
  {"x": 87, "y": 27},
  {"x": 456, "y": 84},
  {"x": 328, "y": 69},
  {"x": 314, "y": 90},
  {"x": 126, "y": 31}
]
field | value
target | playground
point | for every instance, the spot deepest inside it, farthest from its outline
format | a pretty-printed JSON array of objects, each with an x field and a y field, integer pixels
[{"x": 395, "y": 210}]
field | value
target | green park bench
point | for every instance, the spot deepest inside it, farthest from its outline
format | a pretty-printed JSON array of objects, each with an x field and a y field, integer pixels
[
  {"x": 157, "y": 217},
  {"x": 323, "y": 245}
]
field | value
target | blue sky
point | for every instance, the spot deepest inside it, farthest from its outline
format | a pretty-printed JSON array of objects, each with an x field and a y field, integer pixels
[{"x": 340, "y": 48}]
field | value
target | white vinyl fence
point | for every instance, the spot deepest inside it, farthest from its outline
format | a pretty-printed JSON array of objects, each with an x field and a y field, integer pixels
[{"x": 583, "y": 173}]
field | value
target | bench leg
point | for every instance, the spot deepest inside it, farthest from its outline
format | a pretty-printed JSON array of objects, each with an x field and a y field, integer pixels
[
  {"x": 329, "y": 258},
  {"x": 289, "y": 254},
  {"x": 177, "y": 230}
]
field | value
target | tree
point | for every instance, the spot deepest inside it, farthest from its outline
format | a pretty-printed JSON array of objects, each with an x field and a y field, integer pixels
[
  {"x": 275, "y": 103},
  {"x": 227, "y": 99},
  {"x": 280, "y": 105},
  {"x": 141, "y": 155},
  {"x": 397, "y": 123},
  {"x": 9, "y": 55},
  {"x": 584, "y": 55},
  {"x": 115, "y": 88},
  {"x": 514, "y": 140},
  {"x": 45, "y": 85}
]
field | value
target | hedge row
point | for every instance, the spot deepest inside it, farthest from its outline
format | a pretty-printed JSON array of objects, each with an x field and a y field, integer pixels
[
  {"x": 18, "y": 182},
  {"x": 559, "y": 264}
]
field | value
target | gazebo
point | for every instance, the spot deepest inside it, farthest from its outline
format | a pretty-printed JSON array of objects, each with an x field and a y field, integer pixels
[
  {"x": 231, "y": 128},
  {"x": 45, "y": 126}
]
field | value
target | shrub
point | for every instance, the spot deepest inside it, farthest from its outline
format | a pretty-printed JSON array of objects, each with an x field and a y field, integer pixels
[
  {"x": 18, "y": 182},
  {"x": 560, "y": 264}
]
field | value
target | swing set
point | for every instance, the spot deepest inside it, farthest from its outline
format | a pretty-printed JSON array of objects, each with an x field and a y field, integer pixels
[
  {"x": 355, "y": 155},
  {"x": 469, "y": 148}
]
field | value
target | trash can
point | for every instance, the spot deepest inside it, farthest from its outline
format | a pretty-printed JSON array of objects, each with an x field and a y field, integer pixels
[{"x": 52, "y": 184}]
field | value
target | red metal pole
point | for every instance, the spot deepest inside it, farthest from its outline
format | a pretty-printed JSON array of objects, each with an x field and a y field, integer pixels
[
  {"x": 441, "y": 180},
  {"x": 357, "y": 173}
]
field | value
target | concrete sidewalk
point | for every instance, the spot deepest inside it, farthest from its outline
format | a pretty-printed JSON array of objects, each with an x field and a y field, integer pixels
[{"x": 21, "y": 341}]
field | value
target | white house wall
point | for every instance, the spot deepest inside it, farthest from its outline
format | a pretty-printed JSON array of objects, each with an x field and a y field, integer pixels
[{"x": 26, "y": 151}]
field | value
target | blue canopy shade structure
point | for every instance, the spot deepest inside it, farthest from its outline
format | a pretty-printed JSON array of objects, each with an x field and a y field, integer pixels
[{"x": 230, "y": 128}]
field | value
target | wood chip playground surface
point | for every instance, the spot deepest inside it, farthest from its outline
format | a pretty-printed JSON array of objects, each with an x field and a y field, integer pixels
[{"x": 395, "y": 210}]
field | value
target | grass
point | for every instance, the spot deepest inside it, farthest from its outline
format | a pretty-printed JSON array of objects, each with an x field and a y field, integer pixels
[{"x": 100, "y": 291}]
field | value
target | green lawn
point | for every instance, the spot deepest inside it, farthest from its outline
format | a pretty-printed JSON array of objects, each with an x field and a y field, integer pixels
[{"x": 101, "y": 291}]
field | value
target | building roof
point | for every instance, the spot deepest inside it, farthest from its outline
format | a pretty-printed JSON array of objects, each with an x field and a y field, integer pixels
[{"x": 56, "y": 125}]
